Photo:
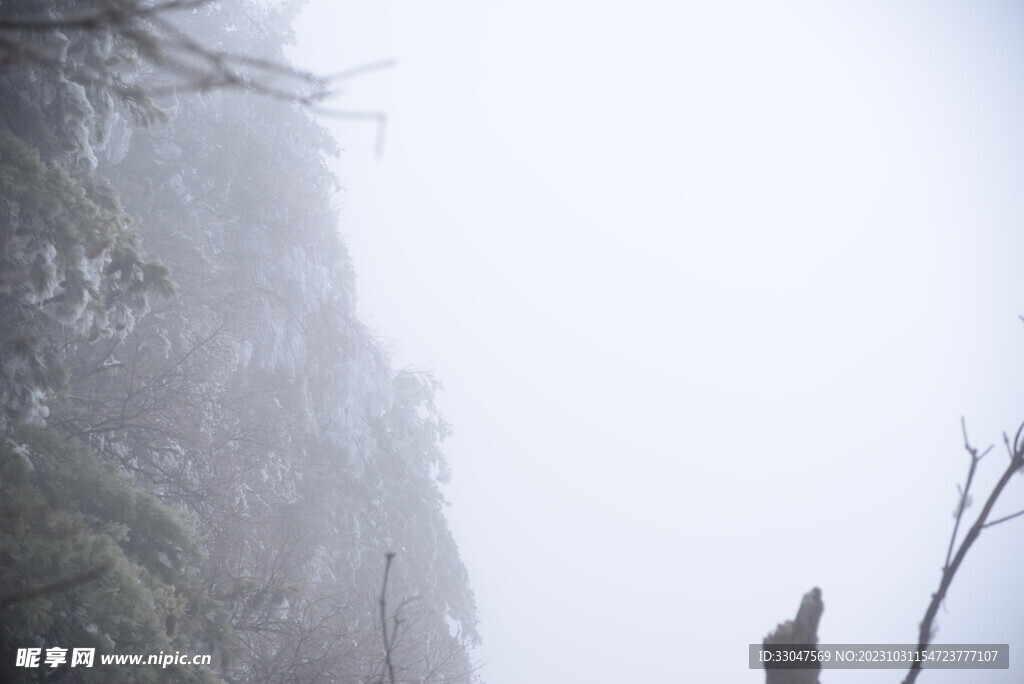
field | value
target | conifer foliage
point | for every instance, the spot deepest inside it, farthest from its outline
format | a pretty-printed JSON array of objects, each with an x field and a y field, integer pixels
[{"x": 204, "y": 449}]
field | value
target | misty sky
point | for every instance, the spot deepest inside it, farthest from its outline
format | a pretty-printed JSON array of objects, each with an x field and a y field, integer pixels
[{"x": 709, "y": 286}]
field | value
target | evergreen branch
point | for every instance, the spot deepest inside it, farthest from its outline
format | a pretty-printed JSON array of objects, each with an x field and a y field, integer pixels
[{"x": 58, "y": 587}]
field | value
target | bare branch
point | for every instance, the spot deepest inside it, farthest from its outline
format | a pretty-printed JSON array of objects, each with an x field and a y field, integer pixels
[
  {"x": 193, "y": 66},
  {"x": 951, "y": 566},
  {"x": 390, "y": 556},
  {"x": 114, "y": 14}
]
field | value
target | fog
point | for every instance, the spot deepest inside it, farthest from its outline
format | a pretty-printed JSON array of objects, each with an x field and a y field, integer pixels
[
  {"x": 710, "y": 287},
  {"x": 721, "y": 300}
]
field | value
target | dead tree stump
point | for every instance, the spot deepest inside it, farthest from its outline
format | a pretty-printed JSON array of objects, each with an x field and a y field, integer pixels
[{"x": 803, "y": 631}]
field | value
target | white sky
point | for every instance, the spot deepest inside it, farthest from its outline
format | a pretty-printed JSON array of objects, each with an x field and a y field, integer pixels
[{"x": 710, "y": 286}]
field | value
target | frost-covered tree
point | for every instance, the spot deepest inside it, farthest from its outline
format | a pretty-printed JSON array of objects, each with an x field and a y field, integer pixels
[
  {"x": 253, "y": 400},
  {"x": 70, "y": 265},
  {"x": 89, "y": 560}
]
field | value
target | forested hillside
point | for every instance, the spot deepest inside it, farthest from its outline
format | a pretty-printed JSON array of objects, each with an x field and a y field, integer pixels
[{"x": 205, "y": 450}]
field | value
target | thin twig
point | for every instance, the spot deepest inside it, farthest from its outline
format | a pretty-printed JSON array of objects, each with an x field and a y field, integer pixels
[
  {"x": 965, "y": 493},
  {"x": 379, "y": 118},
  {"x": 1003, "y": 519},
  {"x": 361, "y": 70}
]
